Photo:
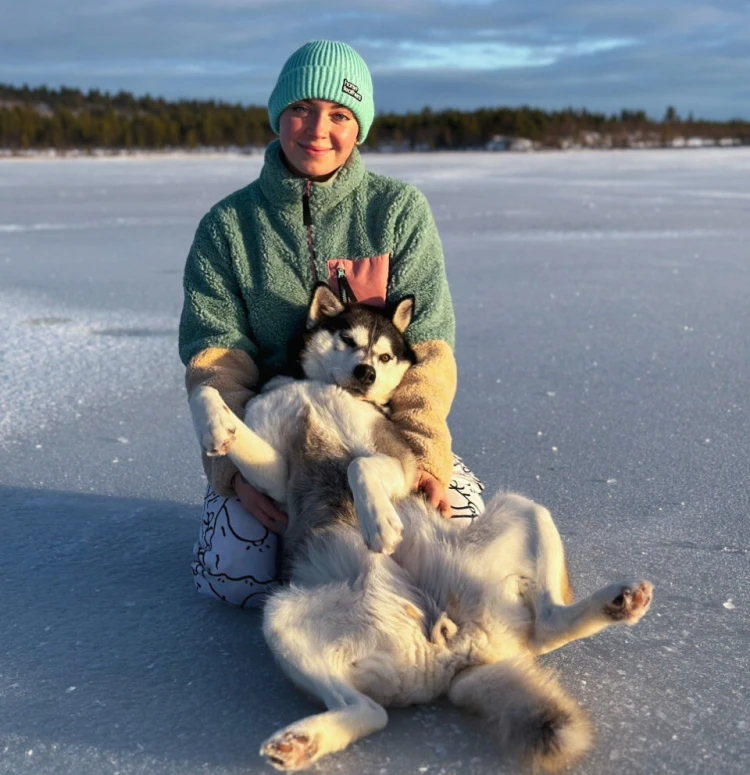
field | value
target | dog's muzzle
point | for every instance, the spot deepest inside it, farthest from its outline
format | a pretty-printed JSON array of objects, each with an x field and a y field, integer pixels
[{"x": 364, "y": 374}]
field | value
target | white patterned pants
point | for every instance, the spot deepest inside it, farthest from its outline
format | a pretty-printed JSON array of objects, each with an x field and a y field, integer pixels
[{"x": 236, "y": 558}]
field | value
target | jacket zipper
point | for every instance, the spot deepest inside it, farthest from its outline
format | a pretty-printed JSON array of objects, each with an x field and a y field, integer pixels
[
  {"x": 346, "y": 294},
  {"x": 307, "y": 221}
]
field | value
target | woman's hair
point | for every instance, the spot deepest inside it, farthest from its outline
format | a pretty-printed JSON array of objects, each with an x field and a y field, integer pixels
[{"x": 325, "y": 70}]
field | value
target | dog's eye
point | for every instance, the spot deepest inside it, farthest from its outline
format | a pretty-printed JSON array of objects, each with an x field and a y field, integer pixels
[
  {"x": 348, "y": 340},
  {"x": 384, "y": 358}
]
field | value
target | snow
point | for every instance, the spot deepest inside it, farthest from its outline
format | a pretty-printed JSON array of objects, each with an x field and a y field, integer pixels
[{"x": 604, "y": 361}]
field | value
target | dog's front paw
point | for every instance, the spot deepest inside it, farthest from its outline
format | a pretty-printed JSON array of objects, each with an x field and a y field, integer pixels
[
  {"x": 290, "y": 750},
  {"x": 381, "y": 526},
  {"x": 379, "y": 523},
  {"x": 220, "y": 433},
  {"x": 629, "y": 602},
  {"x": 215, "y": 424}
]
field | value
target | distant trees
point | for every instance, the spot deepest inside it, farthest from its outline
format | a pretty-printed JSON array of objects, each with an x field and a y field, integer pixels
[{"x": 67, "y": 118}]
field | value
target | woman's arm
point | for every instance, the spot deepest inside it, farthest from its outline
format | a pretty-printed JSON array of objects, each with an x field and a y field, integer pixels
[
  {"x": 214, "y": 338},
  {"x": 423, "y": 400},
  {"x": 421, "y": 404},
  {"x": 214, "y": 314}
]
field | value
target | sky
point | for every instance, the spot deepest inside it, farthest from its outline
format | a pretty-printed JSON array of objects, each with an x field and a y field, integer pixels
[{"x": 603, "y": 55}]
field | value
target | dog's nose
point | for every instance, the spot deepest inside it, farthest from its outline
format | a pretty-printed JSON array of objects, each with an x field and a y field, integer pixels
[{"x": 365, "y": 374}]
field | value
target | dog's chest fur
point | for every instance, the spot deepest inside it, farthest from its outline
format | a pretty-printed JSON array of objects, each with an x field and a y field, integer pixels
[
  {"x": 288, "y": 408},
  {"x": 320, "y": 429}
]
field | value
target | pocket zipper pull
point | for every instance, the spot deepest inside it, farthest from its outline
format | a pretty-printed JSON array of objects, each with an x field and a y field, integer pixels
[{"x": 346, "y": 294}]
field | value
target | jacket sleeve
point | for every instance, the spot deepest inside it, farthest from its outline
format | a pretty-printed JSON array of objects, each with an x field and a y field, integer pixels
[
  {"x": 422, "y": 402},
  {"x": 418, "y": 268},
  {"x": 214, "y": 338},
  {"x": 214, "y": 312}
]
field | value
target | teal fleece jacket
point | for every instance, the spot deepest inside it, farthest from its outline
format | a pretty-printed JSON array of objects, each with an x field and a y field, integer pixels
[{"x": 249, "y": 277}]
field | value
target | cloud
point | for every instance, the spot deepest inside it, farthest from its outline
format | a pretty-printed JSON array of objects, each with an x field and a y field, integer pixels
[
  {"x": 483, "y": 55},
  {"x": 694, "y": 54}
]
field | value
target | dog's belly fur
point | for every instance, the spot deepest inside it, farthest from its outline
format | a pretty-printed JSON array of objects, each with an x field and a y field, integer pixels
[
  {"x": 396, "y": 656},
  {"x": 392, "y": 650}
]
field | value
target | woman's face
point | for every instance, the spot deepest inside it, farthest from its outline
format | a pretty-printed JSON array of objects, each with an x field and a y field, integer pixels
[{"x": 317, "y": 137}]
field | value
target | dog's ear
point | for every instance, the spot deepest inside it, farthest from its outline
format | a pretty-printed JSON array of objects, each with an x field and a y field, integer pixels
[
  {"x": 323, "y": 304},
  {"x": 403, "y": 313}
]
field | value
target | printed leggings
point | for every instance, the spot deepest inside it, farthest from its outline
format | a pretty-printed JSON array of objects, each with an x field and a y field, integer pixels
[{"x": 235, "y": 558}]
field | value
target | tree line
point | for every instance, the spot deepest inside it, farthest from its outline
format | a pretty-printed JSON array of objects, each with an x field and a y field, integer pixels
[{"x": 65, "y": 118}]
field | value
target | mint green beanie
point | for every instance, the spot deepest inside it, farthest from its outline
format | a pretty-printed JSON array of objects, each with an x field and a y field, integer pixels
[{"x": 325, "y": 70}]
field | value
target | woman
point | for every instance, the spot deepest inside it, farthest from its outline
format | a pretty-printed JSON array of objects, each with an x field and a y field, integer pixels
[{"x": 314, "y": 214}]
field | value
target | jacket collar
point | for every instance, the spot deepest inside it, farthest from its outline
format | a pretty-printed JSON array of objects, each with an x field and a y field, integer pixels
[{"x": 284, "y": 189}]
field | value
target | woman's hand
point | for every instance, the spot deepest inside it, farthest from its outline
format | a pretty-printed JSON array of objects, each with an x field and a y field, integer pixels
[
  {"x": 259, "y": 505},
  {"x": 436, "y": 491}
]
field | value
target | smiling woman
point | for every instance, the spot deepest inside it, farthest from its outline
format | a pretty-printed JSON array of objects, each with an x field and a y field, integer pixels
[
  {"x": 317, "y": 137},
  {"x": 314, "y": 214}
]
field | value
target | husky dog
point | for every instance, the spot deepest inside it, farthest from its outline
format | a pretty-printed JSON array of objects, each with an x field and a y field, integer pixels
[{"x": 389, "y": 604}]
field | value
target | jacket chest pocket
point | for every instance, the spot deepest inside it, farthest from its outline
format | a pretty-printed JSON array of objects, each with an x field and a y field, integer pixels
[{"x": 363, "y": 280}]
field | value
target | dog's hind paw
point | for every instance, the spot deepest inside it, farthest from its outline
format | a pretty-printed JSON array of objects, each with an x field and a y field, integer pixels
[
  {"x": 289, "y": 750},
  {"x": 629, "y": 602}
]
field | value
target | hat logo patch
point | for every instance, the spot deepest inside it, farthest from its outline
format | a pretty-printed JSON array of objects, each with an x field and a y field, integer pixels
[{"x": 352, "y": 90}]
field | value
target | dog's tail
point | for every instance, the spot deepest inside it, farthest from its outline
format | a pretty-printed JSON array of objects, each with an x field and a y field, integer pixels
[{"x": 530, "y": 715}]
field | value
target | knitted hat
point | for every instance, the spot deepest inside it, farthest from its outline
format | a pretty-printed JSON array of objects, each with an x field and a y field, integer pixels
[{"x": 325, "y": 70}]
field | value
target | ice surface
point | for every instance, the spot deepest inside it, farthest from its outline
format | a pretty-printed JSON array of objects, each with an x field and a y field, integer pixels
[{"x": 604, "y": 357}]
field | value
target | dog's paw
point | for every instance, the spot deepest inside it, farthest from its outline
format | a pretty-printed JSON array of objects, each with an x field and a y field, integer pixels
[
  {"x": 629, "y": 602},
  {"x": 289, "y": 750},
  {"x": 215, "y": 425},
  {"x": 381, "y": 526},
  {"x": 220, "y": 433}
]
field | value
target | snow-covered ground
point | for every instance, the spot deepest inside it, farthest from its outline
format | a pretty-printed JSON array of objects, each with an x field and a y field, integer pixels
[{"x": 604, "y": 354}]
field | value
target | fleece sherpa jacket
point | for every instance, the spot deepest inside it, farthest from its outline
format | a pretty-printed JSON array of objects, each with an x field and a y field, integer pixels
[{"x": 254, "y": 262}]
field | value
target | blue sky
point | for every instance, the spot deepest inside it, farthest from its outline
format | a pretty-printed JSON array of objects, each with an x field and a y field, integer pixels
[{"x": 600, "y": 54}]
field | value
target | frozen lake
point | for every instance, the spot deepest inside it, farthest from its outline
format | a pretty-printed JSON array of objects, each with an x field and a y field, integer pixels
[{"x": 603, "y": 306}]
